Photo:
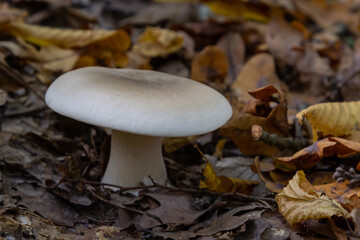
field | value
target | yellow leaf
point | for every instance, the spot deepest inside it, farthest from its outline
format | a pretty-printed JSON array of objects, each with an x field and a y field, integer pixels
[
  {"x": 110, "y": 51},
  {"x": 50, "y": 58},
  {"x": 158, "y": 42},
  {"x": 224, "y": 184},
  {"x": 44, "y": 36},
  {"x": 299, "y": 201},
  {"x": 337, "y": 119}
]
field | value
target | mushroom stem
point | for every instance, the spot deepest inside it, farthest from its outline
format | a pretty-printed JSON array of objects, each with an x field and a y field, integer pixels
[{"x": 134, "y": 157}]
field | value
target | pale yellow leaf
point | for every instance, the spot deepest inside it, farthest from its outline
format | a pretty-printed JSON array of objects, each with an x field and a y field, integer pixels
[
  {"x": 299, "y": 201},
  {"x": 50, "y": 58},
  {"x": 158, "y": 42},
  {"x": 44, "y": 36},
  {"x": 338, "y": 119}
]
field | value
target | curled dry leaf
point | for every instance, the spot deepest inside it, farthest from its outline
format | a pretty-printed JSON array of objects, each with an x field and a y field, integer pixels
[
  {"x": 158, "y": 42},
  {"x": 238, "y": 129},
  {"x": 210, "y": 65},
  {"x": 299, "y": 201},
  {"x": 310, "y": 156},
  {"x": 44, "y": 36},
  {"x": 224, "y": 184},
  {"x": 332, "y": 119}
]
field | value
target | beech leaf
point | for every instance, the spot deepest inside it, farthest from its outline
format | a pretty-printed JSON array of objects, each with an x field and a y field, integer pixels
[
  {"x": 158, "y": 42},
  {"x": 332, "y": 119},
  {"x": 44, "y": 36},
  {"x": 299, "y": 201}
]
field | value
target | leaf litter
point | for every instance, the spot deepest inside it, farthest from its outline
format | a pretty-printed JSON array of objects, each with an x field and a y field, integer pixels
[{"x": 271, "y": 59}]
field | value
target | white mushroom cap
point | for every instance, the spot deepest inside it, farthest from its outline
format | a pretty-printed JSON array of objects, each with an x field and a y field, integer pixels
[{"x": 138, "y": 101}]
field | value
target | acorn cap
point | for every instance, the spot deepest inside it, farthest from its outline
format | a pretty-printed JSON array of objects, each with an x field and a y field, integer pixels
[{"x": 138, "y": 101}]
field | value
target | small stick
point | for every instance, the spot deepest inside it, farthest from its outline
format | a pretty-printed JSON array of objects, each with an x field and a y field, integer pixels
[
  {"x": 187, "y": 190},
  {"x": 272, "y": 139}
]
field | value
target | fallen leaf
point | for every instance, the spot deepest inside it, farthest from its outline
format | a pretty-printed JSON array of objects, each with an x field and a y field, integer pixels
[
  {"x": 44, "y": 36},
  {"x": 311, "y": 63},
  {"x": 158, "y": 42},
  {"x": 299, "y": 202},
  {"x": 50, "y": 57},
  {"x": 282, "y": 39},
  {"x": 233, "y": 46},
  {"x": 109, "y": 51},
  {"x": 310, "y": 156},
  {"x": 328, "y": 14},
  {"x": 227, "y": 221},
  {"x": 332, "y": 119},
  {"x": 257, "y": 72},
  {"x": 210, "y": 65},
  {"x": 339, "y": 191},
  {"x": 223, "y": 184},
  {"x": 238, "y": 129}
]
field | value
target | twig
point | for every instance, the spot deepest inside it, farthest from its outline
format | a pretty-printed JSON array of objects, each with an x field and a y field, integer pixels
[
  {"x": 126, "y": 208},
  {"x": 272, "y": 139},
  {"x": 187, "y": 190}
]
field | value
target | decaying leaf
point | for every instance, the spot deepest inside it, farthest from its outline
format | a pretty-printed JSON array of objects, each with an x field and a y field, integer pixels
[
  {"x": 158, "y": 42},
  {"x": 210, "y": 65},
  {"x": 44, "y": 36},
  {"x": 299, "y": 201},
  {"x": 223, "y": 184},
  {"x": 339, "y": 191},
  {"x": 310, "y": 156},
  {"x": 338, "y": 119}
]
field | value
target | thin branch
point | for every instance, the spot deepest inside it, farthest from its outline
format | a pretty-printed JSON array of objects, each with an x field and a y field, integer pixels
[
  {"x": 187, "y": 190},
  {"x": 272, "y": 139}
]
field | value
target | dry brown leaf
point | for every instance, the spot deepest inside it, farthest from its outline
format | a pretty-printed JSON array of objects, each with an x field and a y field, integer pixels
[
  {"x": 332, "y": 119},
  {"x": 238, "y": 129},
  {"x": 44, "y": 36},
  {"x": 233, "y": 46},
  {"x": 339, "y": 191},
  {"x": 282, "y": 39},
  {"x": 329, "y": 14},
  {"x": 299, "y": 202},
  {"x": 258, "y": 71},
  {"x": 210, "y": 65},
  {"x": 230, "y": 8},
  {"x": 158, "y": 42},
  {"x": 310, "y": 156},
  {"x": 312, "y": 63},
  {"x": 349, "y": 66}
]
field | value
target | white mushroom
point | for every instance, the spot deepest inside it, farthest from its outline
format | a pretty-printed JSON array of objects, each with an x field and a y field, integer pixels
[{"x": 140, "y": 107}]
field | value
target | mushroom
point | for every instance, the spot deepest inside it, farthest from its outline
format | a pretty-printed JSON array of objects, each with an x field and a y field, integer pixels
[{"x": 140, "y": 107}]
